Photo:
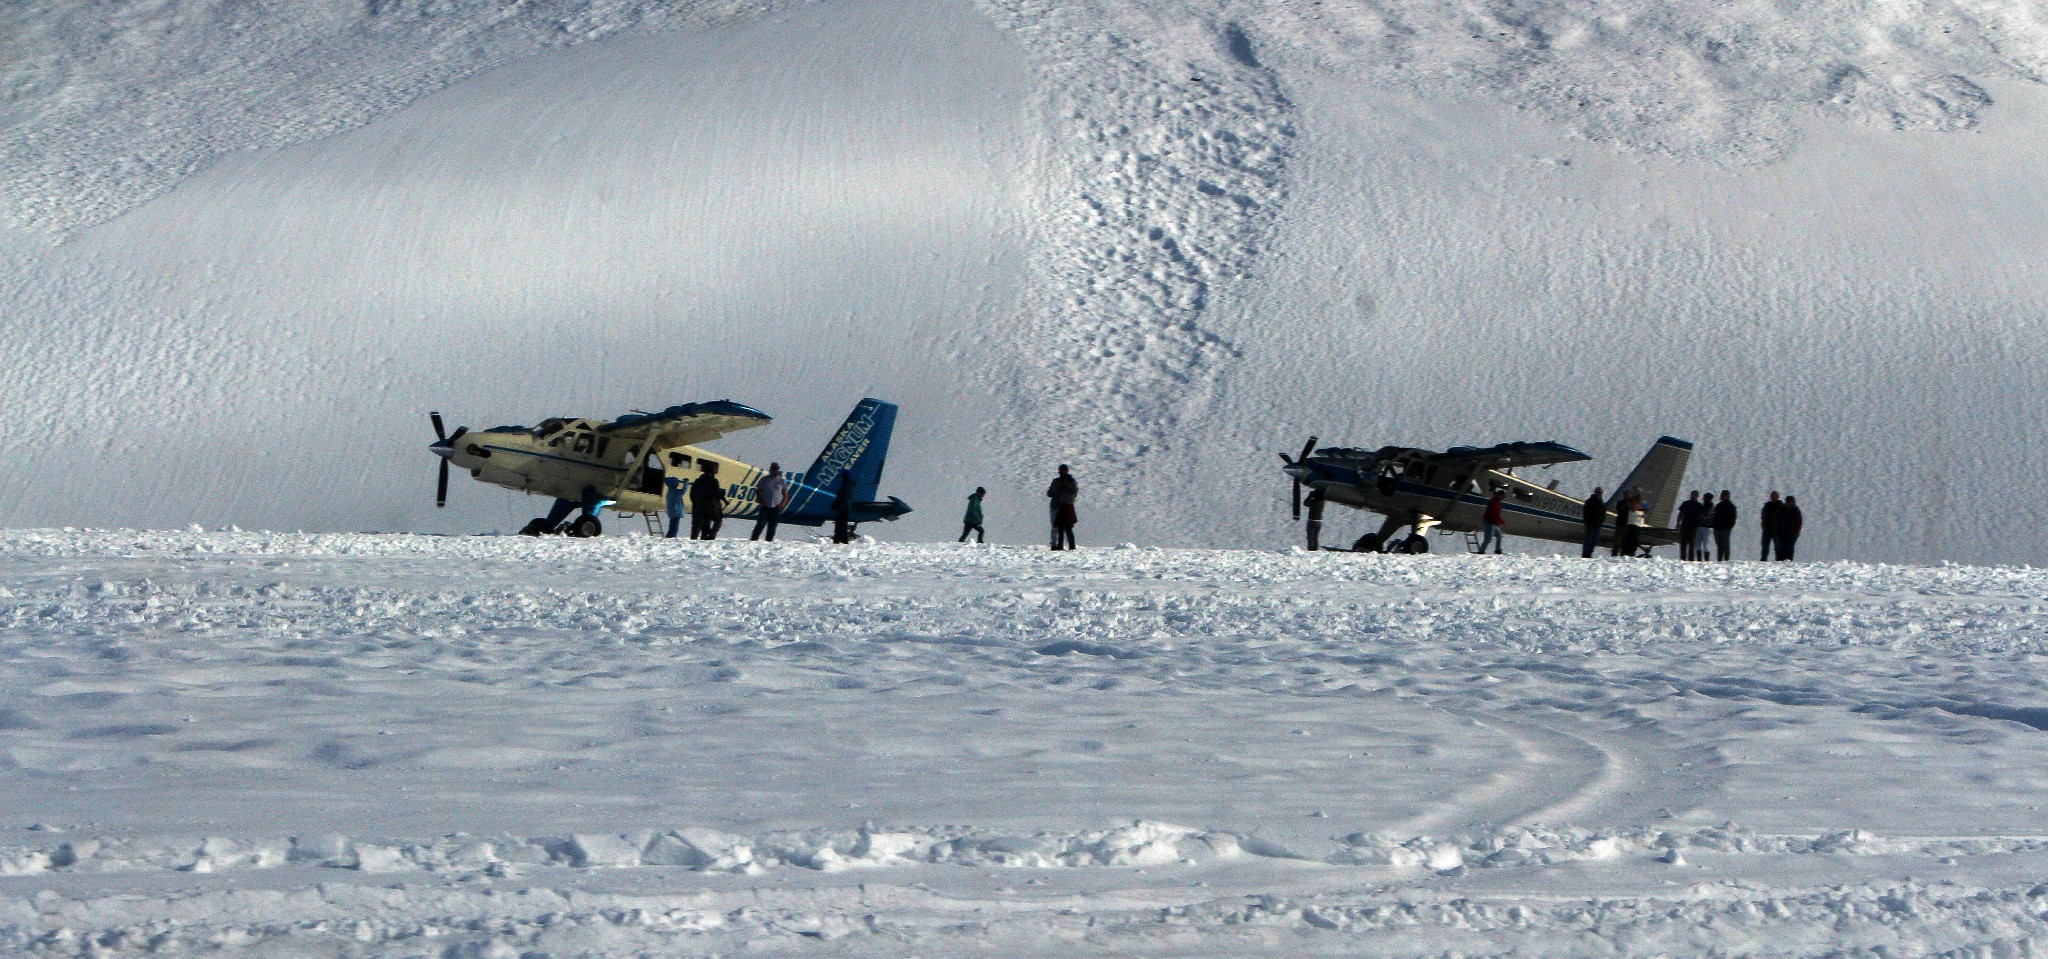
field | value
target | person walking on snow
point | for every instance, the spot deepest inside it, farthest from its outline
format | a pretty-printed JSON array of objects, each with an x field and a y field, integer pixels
[
  {"x": 707, "y": 504},
  {"x": 1688, "y": 526},
  {"x": 1494, "y": 520},
  {"x": 771, "y": 494},
  {"x": 1595, "y": 516},
  {"x": 971, "y": 522},
  {"x": 1724, "y": 527},
  {"x": 842, "y": 510},
  {"x": 1768, "y": 517},
  {"x": 1062, "y": 495},
  {"x": 1789, "y": 524},
  {"x": 675, "y": 486}
]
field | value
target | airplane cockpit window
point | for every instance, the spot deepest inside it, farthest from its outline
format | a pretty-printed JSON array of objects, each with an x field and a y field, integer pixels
[{"x": 548, "y": 428}]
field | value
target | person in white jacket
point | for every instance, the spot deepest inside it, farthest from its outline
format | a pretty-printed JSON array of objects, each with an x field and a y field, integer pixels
[{"x": 771, "y": 494}]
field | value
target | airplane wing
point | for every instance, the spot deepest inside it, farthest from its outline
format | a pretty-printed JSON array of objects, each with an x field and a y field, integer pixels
[
  {"x": 1507, "y": 455},
  {"x": 688, "y": 424}
]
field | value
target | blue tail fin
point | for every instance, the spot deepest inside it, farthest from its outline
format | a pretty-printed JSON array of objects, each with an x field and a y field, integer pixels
[{"x": 859, "y": 447}]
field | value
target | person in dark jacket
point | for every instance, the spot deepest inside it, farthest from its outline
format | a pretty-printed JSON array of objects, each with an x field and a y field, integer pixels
[
  {"x": 1620, "y": 523},
  {"x": 1594, "y": 515},
  {"x": 1789, "y": 524},
  {"x": 1624, "y": 534},
  {"x": 1689, "y": 526},
  {"x": 1768, "y": 518},
  {"x": 1495, "y": 521},
  {"x": 1724, "y": 527},
  {"x": 707, "y": 503},
  {"x": 971, "y": 521},
  {"x": 842, "y": 510},
  {"x": 1062, "y": 495}
]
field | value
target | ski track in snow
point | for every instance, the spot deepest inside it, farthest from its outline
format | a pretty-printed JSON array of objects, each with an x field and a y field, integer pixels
[{"x": 269, "y": 744}]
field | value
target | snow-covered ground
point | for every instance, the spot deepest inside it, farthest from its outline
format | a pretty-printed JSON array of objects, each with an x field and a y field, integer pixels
[
  {"x": 253, "y": 244},
  {"x": 283, "y": 745}
]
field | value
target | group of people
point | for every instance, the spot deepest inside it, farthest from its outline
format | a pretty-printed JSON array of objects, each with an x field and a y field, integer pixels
[
  {"x": 1701, "y": 518},
  {"x": 1060, "y": 495},
  {"x": 706, "y": 498},
  {"x": 1706, "y": 526}
]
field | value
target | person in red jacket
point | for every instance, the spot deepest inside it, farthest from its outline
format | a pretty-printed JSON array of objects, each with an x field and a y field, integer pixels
[
  {"x": 1495, "y": 520},
  {"x": 1789, "y": 523}
]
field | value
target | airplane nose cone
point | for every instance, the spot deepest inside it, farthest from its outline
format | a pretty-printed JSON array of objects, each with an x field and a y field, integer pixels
[{"x": 441, "y": 448}]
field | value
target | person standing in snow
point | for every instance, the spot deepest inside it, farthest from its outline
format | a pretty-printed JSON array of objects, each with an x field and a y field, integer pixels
[
  {"x": 1724, "y": 527},
  {"x": 771, "y": 494},
  {"x": 1688, "y": 526},
  {"x": 1789, "y": 524},
  {"x": 674, "y": 487},
  {"x": 707, "y": 503},
  {"x": 842, "y": 511},
  {"x": 1062, "y": 495},
  {"x": 1768, "y": 517},
  {"x": 1594, "y": 515},
  {"x": 971, "y": 522},
  {"x": 1495, "y": 520},
  {"x": 1624, "y": 533},
  {"x": 1702, "y": 545}
]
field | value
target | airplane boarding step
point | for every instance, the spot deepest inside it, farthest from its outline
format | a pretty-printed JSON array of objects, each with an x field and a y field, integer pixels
[
  {"x": 1472, "y": 541},
  {"x": 655, "y": 526}
]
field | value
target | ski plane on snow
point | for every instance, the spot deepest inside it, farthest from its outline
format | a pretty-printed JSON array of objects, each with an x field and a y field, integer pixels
[
  {"x": 1448, "y": 490},
  {"x": 592, "y": 464}
]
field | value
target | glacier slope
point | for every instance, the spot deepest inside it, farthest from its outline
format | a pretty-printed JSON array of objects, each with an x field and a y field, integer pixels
[
  {"x": 657, "y": 220},
  {"x": 1162, "y": 224}
]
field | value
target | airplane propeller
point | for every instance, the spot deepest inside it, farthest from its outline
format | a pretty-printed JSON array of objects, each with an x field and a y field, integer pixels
[
  {"x": 1307, "y": 449},
  {"x": 441, "y": 433}
]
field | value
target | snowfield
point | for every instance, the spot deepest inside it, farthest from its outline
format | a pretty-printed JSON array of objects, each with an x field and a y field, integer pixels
[{"x": 348, "y": 745}]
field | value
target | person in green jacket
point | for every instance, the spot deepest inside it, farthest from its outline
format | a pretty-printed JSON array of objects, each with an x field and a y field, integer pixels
[{"x": 971, "y": 523}]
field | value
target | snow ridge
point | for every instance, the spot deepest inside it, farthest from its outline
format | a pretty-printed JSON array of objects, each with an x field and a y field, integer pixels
[{"x": 1172, "y": 144}]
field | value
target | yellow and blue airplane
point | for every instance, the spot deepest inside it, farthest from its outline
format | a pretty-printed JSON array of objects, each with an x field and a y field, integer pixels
[{"x": 589, "y": 465}]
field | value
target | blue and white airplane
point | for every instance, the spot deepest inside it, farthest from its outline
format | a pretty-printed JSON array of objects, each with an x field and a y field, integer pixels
[
  {"x": 590, "y": 465},
  {"x": 1449, "y": 490}
]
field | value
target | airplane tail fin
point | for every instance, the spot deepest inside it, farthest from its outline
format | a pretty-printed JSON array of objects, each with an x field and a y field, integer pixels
[
  {"x": 1658, "y": 476},
  {"x": 859, "y": 447}
]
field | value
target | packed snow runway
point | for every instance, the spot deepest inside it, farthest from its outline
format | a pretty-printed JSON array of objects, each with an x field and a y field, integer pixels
[{"x": 270, "y": 744}]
